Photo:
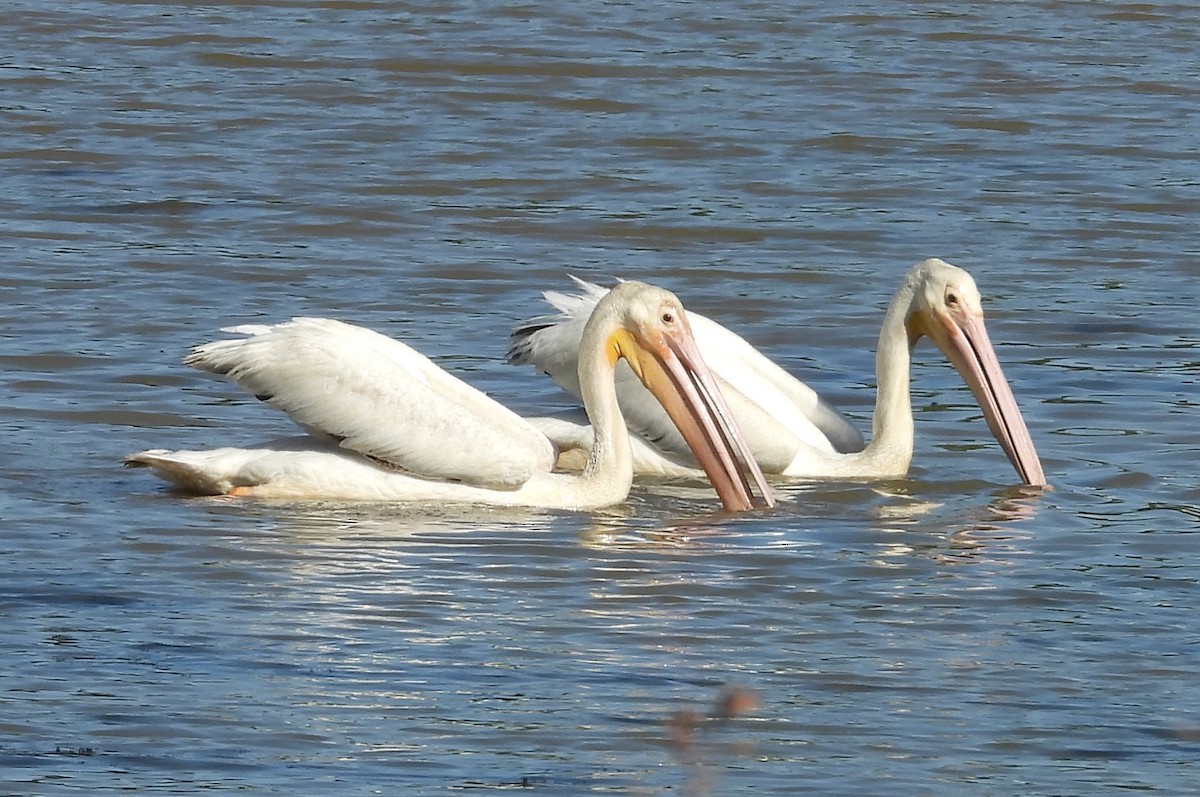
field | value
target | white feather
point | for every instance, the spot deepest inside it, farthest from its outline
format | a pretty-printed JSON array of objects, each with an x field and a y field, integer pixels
[
  {"x": 378, "y": 397},
  {"x": 778, "y": 413}
]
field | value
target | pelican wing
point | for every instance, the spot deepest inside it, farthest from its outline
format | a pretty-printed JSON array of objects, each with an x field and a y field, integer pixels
[
  {"x": 378, "y": 397},
  {"x": 777, "y": 412}
]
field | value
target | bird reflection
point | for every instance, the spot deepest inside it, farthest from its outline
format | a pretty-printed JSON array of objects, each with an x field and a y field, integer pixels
[
  {"x": 670, "y": 532},
  {"x": 693, "y": 736}
]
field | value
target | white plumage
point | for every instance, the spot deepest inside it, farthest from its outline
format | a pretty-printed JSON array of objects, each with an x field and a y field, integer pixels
[
  {"x": 385, "y": 423},
  {"x": 791, "y": 431},
  {"x": 381, "y": 398},
  {"x": 778, "y": 413}
]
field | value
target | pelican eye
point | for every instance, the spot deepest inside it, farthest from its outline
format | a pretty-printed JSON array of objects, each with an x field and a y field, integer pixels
[
  {"x": 951, "y": 299},
  {"x": 668, "y": 317}
]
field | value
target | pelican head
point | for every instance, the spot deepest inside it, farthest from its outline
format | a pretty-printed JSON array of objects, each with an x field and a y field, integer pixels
[
  {"x": 945, "y": 306},
  {"x": 651, "y": 333}
]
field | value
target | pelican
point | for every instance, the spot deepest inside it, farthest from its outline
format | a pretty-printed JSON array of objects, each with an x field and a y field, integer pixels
[
  {"x": 385, "y": 423},
  {"x": 790, "y": 430}
]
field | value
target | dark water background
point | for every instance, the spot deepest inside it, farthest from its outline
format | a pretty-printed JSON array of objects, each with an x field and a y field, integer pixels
[{"x": 426, "y": 170}]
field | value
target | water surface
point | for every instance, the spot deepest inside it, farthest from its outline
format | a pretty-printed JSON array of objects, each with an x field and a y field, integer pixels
[{"x": 426, "y": 170}]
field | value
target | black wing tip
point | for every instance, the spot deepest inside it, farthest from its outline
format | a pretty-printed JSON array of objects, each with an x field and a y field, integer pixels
[
  {"x": 198, "y": 359},
  {"x": 519, "y": 353},
  {"x": 520, "y": 347}
]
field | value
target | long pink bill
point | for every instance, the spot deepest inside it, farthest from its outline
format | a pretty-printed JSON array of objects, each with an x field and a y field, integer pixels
[
  {"x": 972, "y": 354},
  {"x": 708, "y": 426}
]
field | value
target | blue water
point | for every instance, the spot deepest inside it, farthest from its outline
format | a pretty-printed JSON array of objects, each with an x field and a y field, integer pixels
[{"x": 427, "y": 171}]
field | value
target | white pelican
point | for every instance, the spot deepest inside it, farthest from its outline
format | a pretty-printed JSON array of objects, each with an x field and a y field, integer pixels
[
  {"x": 385, "y": 423},
  {"x": 789, "y": 429}
]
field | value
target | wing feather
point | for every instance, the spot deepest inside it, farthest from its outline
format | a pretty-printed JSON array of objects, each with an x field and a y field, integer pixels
[
  {"x": 381, "y": 398},
  {"x": 777, "y": 412}
]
